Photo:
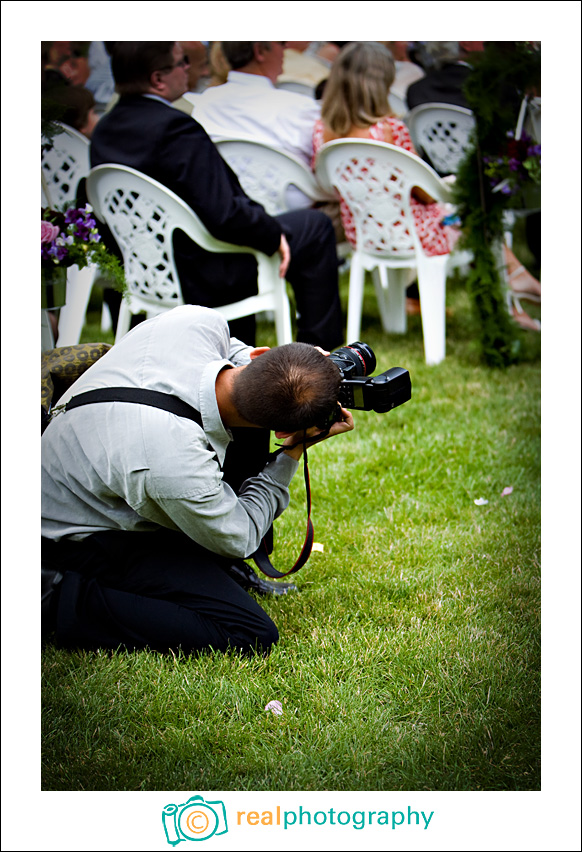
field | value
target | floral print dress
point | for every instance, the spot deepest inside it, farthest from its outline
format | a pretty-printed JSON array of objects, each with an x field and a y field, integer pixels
[{"x": 435, "y": 238}]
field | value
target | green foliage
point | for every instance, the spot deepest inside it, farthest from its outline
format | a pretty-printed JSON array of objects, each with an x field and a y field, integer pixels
[
  {"x": 409, "y": 659},
  {"x": 500, "y": 78}
]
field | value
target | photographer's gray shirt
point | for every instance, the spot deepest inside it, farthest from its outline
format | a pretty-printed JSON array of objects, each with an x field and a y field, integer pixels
[{"x": 120, "y": 466}]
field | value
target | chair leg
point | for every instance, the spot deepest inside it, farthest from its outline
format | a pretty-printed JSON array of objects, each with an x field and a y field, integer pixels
[
  {"x": 355, "y": 299},
  {"x": 508, "y": 226},
  {"x": 395, "y": 320},
  {"x": 283, "y": 318},
  {"x": 72, "y": 316},
  {"x": 106, "y": 318},
  {"x": 432, "y": 277},
  {"x": 269, "y": 280},
  {"x": 124, "y": 320},
  {"x": 46, "y": 340}
]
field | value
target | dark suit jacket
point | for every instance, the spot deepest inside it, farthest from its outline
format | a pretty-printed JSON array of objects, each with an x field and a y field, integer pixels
[
  {"x": 442, "y": 86},
  {"x": 172, "y": 148}
]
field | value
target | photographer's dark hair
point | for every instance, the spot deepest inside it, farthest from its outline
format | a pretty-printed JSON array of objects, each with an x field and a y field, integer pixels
[
  {"x": 287, "y": 389},
  {"x": 240, "y": 53},
  {"x": 134, "y": 62}
]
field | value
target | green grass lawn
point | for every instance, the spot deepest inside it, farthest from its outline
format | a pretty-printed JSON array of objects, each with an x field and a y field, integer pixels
[{"x": 409, "y": 659}]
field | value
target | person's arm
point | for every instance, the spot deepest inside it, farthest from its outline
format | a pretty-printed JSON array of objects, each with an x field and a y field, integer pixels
[
  {"x": 177, "y": 152},
  {"x": 202, "y": 506},
  {"x": 239, "y": 353},
  {"x": 197, "y": 501},
  {"x": 197, "y": 173}
]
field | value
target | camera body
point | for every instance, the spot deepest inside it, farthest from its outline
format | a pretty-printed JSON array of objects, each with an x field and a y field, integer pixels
[{"x": 359, "y": 390}]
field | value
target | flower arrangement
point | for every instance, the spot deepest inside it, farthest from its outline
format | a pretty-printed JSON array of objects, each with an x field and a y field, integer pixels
[
  {"x": 518, "y": 165},
  {"x": 71, "y": 238}
]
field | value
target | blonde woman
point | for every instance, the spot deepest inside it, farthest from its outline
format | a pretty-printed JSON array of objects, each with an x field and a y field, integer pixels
[{"x": 355, "y": 105}]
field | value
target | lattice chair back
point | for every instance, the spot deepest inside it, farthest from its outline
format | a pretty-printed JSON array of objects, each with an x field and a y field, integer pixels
[
  {"x": 442, "y": 133},
  {"x": 266, "y": 174},
  {"x": 375, "y": 180},
  {"x": 63, "y": 166},
  {"x": 142, "y": 215}
]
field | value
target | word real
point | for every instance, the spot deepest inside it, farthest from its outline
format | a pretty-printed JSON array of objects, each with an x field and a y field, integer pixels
[{"x": 357, "y": 819}]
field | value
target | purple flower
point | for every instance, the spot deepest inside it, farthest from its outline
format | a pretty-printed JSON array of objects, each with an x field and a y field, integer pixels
[
  {"x": 58, "y": 252},
  {"x": 505, "y": 189},
  {"x": 534, "y": 151},
  {"x": 71, "y": 214},
  {"x": 514, "y": 164}
]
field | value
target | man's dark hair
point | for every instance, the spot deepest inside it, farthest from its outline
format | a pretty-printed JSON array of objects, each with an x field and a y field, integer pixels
[
  {"x": 240, "y": 53},
  {"x": 287, "y": 389},
  {"x": 134, "y": 62}
]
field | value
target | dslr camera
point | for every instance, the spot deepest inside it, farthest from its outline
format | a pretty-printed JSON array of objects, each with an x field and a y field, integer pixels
[{"x": 361, "y": 391}]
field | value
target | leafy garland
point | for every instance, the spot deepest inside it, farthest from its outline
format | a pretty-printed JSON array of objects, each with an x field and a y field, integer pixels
[{"x": 499, "y": 79}]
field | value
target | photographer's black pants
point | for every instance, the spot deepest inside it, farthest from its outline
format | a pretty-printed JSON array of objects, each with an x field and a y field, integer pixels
[{"x": 159, "y": 589}]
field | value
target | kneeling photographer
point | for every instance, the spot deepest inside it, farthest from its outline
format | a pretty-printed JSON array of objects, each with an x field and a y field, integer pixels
[{"x": 157, "y": 483}]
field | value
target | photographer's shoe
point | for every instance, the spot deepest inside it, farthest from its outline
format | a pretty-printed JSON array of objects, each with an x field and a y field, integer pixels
[{"x": 250, "y": 581}]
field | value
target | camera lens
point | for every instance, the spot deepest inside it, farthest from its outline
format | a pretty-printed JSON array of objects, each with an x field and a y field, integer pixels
[{"x": 355, "y": 359}]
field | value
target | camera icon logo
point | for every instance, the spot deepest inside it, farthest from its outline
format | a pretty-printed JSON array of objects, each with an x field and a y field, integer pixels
[{"x": 194, "y": 820}]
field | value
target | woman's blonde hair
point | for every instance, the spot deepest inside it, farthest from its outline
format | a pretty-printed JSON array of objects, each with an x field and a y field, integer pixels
[{"x": 356, "y": 92}]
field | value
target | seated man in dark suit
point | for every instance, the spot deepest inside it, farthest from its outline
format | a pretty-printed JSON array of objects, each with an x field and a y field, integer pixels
[{"x": 145, "y": 132}]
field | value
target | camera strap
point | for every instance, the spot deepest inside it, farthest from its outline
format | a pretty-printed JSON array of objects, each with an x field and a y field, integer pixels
[
  {"x": 177, "y": 406},
  {"x": 261, "y": 557}
]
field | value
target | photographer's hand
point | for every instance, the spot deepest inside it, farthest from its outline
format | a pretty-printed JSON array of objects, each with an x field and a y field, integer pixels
[{"x": 345, "y": 425}]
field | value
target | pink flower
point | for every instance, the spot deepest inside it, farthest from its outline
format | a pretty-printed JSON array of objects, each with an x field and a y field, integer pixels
[{"x": 48, "y": 232}]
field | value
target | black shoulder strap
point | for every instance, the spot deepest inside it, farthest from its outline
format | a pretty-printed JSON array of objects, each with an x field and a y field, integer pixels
[{"x": 156, "y": 399}]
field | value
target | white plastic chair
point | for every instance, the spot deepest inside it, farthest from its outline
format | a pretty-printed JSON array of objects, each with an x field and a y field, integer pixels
[
  {"x": 142, "y": 215},
  {"x": 375, "y": 180},
  {"x": 267, "y": 174},
  {"x": 63, "y": 166},
  {"x": 441, "y": 132},
  {"x": 397, "y": 104},
  {"x": 296, "y": 86}
]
